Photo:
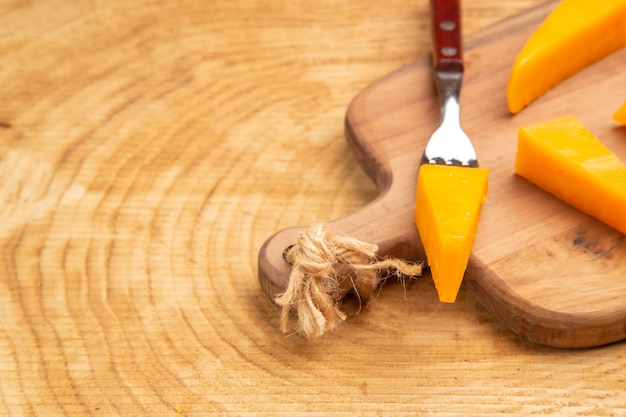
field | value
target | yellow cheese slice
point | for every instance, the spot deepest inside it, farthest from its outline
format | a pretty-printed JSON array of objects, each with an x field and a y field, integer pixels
[
  {"x": 565, "y": 159},
  {"x": 574, "y": 35},
  {"x": 620, "y": 115},
  {"x": 447, "y": 210}
]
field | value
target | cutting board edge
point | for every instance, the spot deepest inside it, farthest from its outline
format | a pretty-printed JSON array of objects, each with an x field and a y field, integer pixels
[{"x": 538, "y": 324}]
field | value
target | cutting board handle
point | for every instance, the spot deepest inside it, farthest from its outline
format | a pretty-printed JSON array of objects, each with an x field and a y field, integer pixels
[{"x": 387, "y": 221}]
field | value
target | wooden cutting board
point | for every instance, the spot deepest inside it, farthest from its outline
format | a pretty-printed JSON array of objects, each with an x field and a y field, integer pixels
[{"x": 547, "y": 271}]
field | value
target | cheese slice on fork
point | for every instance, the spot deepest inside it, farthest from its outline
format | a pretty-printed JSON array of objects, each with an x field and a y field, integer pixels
[{"x": 447, "y": 210}]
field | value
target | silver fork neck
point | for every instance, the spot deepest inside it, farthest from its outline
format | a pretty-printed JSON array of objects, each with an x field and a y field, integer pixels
[{"x": 449, "y": 86}]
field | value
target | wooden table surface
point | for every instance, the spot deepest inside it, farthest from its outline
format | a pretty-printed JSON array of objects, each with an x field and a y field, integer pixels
[{"x": 148, "y": 149}]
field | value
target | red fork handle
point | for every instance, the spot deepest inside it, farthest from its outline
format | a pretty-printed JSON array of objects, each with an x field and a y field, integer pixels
[{"x": 446, "y": 28}]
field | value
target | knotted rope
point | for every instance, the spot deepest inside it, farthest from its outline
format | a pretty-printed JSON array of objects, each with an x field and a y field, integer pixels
[{"x": 324, "y": 268}]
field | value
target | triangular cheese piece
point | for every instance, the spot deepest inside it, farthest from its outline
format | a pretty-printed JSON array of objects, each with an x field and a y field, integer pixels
[
  {"x": 575, "y": 34},
  {"x": 565, "y": 159},
  {"x": 447, "y": 210}
]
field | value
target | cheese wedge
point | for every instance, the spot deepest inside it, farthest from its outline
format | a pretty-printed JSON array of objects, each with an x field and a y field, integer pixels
[
  {"x": 574, "y": 35},
  {"x": 562, "y": 157},
  {"x": 620, "y": 115},
  {"x": 447, "y": 210}
]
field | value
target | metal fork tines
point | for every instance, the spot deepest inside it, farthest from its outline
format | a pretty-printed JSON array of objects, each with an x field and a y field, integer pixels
[{"x": 449, "y": 144}]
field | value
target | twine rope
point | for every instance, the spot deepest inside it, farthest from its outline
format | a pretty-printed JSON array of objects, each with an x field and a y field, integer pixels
[{"x": 321, "y": 262}]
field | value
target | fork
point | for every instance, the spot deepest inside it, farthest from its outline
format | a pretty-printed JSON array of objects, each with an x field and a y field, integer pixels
[{"x": 449, "y": 144}]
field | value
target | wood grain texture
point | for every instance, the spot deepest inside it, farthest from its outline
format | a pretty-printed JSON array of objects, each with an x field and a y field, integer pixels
[{"x": 147, "y": 151}]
